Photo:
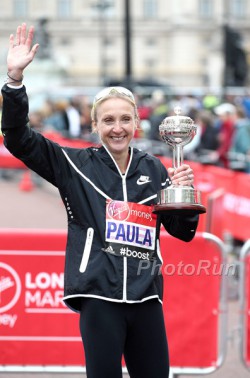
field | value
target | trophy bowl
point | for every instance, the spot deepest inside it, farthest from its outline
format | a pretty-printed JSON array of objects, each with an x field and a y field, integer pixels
[{"x": 177, "y": 131}]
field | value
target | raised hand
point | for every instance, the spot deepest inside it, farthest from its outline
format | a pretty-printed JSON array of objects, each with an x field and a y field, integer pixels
[{"x": 20, "y": 54}]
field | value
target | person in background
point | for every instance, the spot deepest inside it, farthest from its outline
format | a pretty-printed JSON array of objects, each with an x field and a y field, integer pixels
[
  {"x": 227, "y": 116},
  {"x": 209, "y": 140},
  {"x": 240, "y": 147},
  {"x": 210, "y": 101},
  {"x": 64, "y": 118},
  {"x": 105, "y": 191},
  {"x": 158, "y": 113}
]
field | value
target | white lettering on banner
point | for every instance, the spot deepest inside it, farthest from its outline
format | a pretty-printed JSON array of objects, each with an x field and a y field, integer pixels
[
  {"x": 237, "y": 204},
  {"x": 40, "y": 289},
  {"x": 131, "y": 234},
  {"x": 44, "y": 280},
  {"x": 42, "y": 299},
  {"x": 8, "y": 320}
]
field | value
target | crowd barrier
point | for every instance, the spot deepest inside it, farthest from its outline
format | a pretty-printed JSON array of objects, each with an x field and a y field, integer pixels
[
  {"x": 245, "y": 303},
  {"x": 233, "y": 207},
  {"x": 195, "y": 316},
  {"x": 38, "y": 333},
  {"x": 8, "y": 161}
]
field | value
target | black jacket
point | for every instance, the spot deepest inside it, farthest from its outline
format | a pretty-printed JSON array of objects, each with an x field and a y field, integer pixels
[{"x": 86, "y": 178}]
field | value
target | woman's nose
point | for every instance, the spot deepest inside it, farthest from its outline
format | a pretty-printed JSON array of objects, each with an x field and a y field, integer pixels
[{"x": 117, "y": 125}]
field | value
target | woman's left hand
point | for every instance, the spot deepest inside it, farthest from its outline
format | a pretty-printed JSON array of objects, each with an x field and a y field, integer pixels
[
  {"x": 183, "y": 175},
  {"x": 21, "y": 52}
]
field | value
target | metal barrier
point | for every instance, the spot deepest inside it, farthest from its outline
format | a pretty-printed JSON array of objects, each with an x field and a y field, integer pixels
[
  {"x": 39, "y": 334},
  {"x": 245, "y": 303},
  {"x": 195, "y": 303}
]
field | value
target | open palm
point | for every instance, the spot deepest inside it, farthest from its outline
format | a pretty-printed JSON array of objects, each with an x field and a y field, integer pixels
[{"x": 21, "y": 52}]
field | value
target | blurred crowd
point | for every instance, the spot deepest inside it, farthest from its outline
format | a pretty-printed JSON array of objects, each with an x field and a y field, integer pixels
[{"x": 223, "y": 127}]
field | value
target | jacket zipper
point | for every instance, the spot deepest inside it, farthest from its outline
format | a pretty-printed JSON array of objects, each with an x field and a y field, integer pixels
[
  {"x": 125, "y": 198},
  {"x": 125, "y": 262},
  {"x": 87, "y": 249}
]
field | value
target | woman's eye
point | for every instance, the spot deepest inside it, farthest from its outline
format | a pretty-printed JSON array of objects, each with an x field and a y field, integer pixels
[
  {"x": 126, "y": 119},
  {"x": 108, "y": 121}
]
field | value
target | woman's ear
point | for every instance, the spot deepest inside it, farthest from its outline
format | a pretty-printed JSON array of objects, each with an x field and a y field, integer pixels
[
  {"x": 137, "y": 123},
  {"x": 94, "y": 127}
]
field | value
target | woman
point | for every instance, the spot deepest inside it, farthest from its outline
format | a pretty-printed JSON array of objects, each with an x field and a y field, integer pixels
[{"x": 108, "y": 193}]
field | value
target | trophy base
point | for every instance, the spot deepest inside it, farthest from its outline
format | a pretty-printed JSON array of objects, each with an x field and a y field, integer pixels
[
  {"x": 176, "y": 200},
  {"x": 179, "y": 208}
]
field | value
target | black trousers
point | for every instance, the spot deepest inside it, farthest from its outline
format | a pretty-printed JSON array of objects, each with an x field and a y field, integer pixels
[{"x": 136, "y": 331}]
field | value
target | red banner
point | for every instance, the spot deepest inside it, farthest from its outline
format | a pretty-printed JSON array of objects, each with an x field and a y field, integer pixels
[
  {"x": 245, "y": 303},
  {"x": 192, "y": 318},
  {"x": 37, "y": 329},
  {"x": 7, "y": 160},
  {"x": 247, "y": 346},
  {"x": 236, "y": 205}
]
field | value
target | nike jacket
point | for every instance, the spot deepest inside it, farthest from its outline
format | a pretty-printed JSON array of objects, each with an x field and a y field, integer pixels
[{"x": 104, "y": 258}]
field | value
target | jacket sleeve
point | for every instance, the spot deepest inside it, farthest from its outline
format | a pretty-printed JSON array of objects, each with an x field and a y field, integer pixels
[
  {"x": 180, "y": 226},
  {"x": 38, "y": 153}
]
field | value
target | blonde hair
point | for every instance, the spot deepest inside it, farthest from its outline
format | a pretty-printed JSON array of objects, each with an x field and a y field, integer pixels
[{"x": 113, "y": 92}]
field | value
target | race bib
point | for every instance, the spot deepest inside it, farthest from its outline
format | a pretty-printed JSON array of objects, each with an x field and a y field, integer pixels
[{"x": 130, "y": 229}]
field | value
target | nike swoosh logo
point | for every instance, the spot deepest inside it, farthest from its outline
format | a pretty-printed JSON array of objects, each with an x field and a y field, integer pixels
[{"x": 140, "y": 182}]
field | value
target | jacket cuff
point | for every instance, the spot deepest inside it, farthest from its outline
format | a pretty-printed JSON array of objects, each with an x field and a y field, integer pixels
[{"x": 15, "y": 107}]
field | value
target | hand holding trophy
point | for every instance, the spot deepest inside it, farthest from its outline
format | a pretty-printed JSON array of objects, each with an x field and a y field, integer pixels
[{"x": 177, "y": 131}]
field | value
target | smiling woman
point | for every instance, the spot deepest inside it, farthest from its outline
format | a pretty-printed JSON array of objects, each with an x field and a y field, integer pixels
[
  {"x": 109, "y": 193},
  {"x": 115, "y": 124}
]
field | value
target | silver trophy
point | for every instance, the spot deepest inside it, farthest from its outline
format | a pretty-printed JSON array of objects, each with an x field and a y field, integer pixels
[{"x": 177, "y": 131}]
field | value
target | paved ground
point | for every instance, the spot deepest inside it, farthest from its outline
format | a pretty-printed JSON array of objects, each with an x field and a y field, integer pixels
[{"x": 42, "y": 208}]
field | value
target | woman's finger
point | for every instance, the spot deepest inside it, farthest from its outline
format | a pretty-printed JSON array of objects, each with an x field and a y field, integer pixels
[
  {"x": 18, "y": 35},
  {"x": 23, "y": 34}
]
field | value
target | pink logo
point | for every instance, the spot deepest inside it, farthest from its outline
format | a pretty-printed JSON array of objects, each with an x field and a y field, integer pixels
[{"x": 118, "y": 210}]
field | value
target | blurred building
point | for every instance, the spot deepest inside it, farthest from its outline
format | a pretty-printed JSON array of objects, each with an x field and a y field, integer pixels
[{"x": 173, "y": 42}]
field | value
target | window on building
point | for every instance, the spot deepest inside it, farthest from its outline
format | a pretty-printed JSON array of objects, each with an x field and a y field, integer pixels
[
  {"x": 103, "y": 9},
  {"x": 66, "y": 41},
  {"x": 108, "y": 41},
  {"x": 150, "y": 42},
  {"x": 205, "y": 8},
  {"x": 238, "y": 8},
  {"x": 64, "y": 8},
  {"x": 20, "y": 8},
  {"x": 150, "y": 63},
  {"x": 150, "y": 8}
]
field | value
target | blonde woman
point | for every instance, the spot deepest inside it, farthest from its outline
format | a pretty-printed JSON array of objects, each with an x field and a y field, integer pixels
[{"x": 108, "y": 192}]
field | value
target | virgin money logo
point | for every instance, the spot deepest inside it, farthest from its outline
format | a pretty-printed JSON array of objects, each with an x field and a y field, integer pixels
[
  {"x": 118, "y": 210},
  {"x": 10, "y": 287}
]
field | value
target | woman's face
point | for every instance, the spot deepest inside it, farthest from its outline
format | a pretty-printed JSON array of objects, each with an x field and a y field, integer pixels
[{"x": 116, "y": 123}]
